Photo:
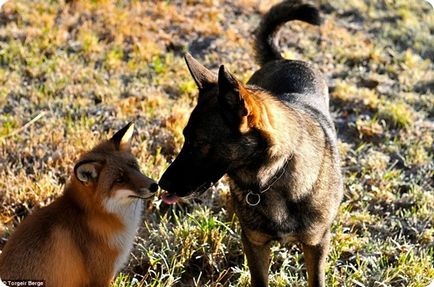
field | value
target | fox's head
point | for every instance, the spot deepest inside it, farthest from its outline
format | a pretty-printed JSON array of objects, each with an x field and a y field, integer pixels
[{"x": 109, "y": 174}]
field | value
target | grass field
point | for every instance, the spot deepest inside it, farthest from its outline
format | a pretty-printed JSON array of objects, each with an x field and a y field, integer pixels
[{"x": 72, "y": 73}]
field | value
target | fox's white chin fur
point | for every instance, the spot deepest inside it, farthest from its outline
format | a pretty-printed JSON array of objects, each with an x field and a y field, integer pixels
[{"x": 129, "y": 211}]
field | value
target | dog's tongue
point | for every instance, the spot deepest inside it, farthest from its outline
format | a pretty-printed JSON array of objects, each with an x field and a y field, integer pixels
[{"x": 169, "y": 198}]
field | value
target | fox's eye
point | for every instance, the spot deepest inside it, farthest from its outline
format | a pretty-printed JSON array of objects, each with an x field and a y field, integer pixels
[{"x": 135, "y": 166}]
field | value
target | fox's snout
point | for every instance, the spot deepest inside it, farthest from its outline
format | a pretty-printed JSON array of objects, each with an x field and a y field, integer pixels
[{"x": 151, "y": 186}]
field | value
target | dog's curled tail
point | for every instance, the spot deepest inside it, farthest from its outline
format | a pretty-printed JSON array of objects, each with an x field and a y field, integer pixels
[{"x": 265, "y": 46}]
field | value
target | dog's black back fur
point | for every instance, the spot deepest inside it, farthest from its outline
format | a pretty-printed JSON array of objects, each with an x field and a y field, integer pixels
[
  {"x": 296, "y": 83},
  {"x": 293, "y": 81},
  {"x": 265, "y": 47}
]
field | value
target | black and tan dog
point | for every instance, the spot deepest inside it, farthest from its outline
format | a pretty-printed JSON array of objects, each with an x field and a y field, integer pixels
[{"x": 275, "y": 139}]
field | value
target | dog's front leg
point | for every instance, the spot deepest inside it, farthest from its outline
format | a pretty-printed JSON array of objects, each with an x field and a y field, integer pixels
[
  {"x": 315, "y": 257},
  {"x": 258, "y": 259}
]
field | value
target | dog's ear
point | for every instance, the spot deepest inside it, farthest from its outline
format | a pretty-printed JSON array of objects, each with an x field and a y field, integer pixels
[
  {"x": 87, "y": 171},
  {"x": 231, "y": 94},
  {"x": 203, "y": 77},
  {"x": 122, "y": 139}
]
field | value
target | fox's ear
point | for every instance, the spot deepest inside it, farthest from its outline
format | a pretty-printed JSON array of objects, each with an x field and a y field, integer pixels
[
  {"x": 231, "y": 94},
  {"x": 202, "y": 76},
  {"x": 122, "y": 139},
  {"x": 87, "y": 172}
]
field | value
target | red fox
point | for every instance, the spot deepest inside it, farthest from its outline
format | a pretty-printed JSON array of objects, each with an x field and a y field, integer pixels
[{"x": 84, "y": 237}]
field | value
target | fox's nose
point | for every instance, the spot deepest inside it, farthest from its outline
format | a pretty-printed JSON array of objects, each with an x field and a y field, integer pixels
[{"x": 153, "y": 187}]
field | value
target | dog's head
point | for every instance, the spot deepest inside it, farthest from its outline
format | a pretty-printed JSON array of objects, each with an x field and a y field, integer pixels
[
  {"x": 219, "y": 136},
  {"x": 109, "y": 174}
]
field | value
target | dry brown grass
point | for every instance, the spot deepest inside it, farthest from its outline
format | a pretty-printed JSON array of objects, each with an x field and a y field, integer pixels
[{"x": 91, "y": 66}]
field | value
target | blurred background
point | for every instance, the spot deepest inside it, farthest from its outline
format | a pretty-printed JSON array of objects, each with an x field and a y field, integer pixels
[{"x": 72, "y": 72}]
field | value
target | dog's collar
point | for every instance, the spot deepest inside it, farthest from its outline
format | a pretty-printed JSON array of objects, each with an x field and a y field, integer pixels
[{"x": 253, "y": 198}]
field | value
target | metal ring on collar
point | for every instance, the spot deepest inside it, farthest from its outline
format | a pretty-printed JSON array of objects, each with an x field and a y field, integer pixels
[{"x": 253, "y": 201}]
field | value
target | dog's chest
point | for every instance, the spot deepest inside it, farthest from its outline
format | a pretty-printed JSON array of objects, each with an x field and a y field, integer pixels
[
  {"x": 274, "y": 208},
  {"x": 271, "y": 216}
]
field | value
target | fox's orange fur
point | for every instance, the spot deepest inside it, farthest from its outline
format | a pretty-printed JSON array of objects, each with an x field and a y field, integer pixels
[{"x": 84, "y": 237}]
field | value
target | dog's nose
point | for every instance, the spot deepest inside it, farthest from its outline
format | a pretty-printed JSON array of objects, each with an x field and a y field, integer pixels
[
  {"x": 153, "y": 187},
  {"x": 164, "y": 184}
]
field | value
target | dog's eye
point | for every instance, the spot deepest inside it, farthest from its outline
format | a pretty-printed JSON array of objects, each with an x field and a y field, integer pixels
[
  {"x": 205, "y": 148},
  {"x": 120, "y": 179}
]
